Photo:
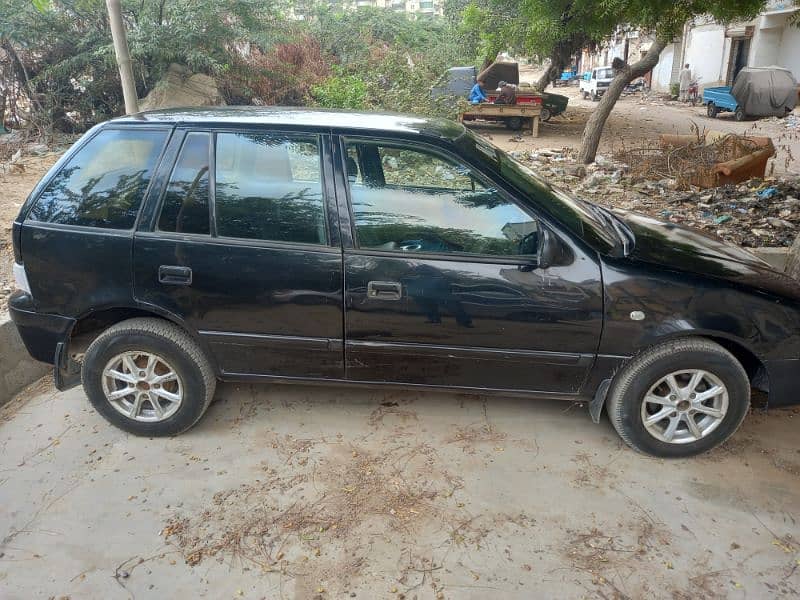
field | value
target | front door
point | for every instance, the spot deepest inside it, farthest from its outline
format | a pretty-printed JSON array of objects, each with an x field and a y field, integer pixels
[
  {"x": 442, "y": 285},
  {"x": 241, "y": 249}
]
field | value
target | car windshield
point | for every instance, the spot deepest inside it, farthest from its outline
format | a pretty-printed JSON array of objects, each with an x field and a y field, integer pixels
[
  {"x": 598, "y": 226},
  {"x": 605, "y": 73}
]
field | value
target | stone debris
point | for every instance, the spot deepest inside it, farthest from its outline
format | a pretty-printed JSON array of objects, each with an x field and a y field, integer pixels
[{"x": 756, "y": 213}]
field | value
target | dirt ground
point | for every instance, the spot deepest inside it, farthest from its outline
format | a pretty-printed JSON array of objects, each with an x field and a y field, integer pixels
[
  {"x": 637, "y": 119},
  {"x": 300, "y": 492}
]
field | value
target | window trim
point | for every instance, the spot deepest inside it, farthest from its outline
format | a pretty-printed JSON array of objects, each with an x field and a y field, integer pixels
[
  {"x": 67, "y": 158},
  {"x": 480, "y": 177}
]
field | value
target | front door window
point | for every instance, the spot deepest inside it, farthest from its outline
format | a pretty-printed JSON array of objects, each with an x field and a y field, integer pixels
[{"x": 408, "y": 200}]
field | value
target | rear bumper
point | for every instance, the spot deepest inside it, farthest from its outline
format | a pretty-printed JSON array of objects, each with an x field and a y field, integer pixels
[
  {"x": 41, "y": 333},
  {"x": 783, "y": 376}
]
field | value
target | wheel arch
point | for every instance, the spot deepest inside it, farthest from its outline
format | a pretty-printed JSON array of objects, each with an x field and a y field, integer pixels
[
  {"x": 93, "y": 322},
  {"x": 754, "y": 367}
]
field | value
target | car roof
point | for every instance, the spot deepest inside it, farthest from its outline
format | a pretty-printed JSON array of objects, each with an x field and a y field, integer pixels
[{"x": 352, "y": 121}]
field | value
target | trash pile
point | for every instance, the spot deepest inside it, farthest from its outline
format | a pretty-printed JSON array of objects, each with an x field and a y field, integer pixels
[
  {"x": 756, "y": 213},
  {"x": 689, "y": 164}
]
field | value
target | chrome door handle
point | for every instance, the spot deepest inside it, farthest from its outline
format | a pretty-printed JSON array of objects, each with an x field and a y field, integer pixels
[
  {"x": 174, "y": 275},
  {"x": 384, "y": 290}
]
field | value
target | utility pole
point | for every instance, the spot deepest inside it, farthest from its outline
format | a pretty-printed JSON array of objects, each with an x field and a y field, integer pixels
[{"x": 123, "y": 56}]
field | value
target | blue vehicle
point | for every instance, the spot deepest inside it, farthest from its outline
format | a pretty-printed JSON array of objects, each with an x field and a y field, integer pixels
[
  {"x": 567, "y": 77},
  {"x": 756, "y": 92},
  {"x": 719, "y": 99}
]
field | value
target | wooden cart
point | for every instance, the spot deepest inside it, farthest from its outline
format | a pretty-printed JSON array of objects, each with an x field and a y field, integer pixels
[{"x": 513, "y": 115}]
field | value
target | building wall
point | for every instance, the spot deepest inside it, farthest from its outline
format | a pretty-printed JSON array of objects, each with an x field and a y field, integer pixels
[
  {"x": 789, "y": 52},
  {"x": 662, "y": 73},
  {"x": 705, "y": 53}
]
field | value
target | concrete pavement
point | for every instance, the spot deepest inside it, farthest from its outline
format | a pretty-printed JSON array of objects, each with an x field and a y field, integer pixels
[{"x": 304, "y": 492}]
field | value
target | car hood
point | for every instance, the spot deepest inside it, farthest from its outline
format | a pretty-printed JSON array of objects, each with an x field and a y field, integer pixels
[{"x": 692, "y": 251}]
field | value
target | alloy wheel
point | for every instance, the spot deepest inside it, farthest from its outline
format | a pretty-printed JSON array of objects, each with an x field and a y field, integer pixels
[
  {"x": 142, "y": 386},
  {"x": 684, "y": 406}
]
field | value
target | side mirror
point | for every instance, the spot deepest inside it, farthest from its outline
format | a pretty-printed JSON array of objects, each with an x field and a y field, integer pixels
[{"x": 551, "y": 250}]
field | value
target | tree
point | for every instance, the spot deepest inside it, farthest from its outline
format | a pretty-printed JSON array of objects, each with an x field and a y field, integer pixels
[
  {"x": 664, "y": 19},
  {"x": 557, "y": 29}
]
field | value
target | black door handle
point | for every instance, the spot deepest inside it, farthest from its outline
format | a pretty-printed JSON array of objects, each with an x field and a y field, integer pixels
[
  {"x": 174, "y": 275},
  {"x": 384, "y": 290}
]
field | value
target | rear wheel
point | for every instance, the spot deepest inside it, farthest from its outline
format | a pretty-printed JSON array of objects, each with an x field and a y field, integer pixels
[
  {"x": 712, "y": 110},
  {"x": 514, "y": 123},
  {"x": 739, "y": 114},
  {"x": 680, "y": 398},
  {"x": 586, "y": 95},
  {"x": 148, "y": 377},
  {"x": 545, "y": 114}
]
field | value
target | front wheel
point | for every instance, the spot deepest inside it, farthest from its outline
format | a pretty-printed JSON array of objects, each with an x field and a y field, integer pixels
[
  {"x": 545, "y": 114},
  {"x": 739, "y": 114},
  {"x": 679, "y": 399},
  {"x": 148, "y": 377}
]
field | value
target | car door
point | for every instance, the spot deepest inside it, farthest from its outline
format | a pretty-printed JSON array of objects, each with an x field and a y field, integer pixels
[
  {"x": 240, "y": 247},
  {"x": 442, "y": 285}
]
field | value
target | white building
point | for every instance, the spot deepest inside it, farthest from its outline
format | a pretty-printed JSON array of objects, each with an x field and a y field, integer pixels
[{"x": 716, "y": 52}]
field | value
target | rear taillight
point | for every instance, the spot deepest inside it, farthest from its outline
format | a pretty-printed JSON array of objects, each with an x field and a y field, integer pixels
[
  {"x": 21, "y": 278},
  {"x": 16, "y": 241}
]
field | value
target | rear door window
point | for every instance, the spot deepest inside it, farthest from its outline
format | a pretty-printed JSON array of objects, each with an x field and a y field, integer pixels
[
  {"x": 185, "y": 206},
  {"x": 269, "y": 187},
  {"x": 104, "y": 183}
]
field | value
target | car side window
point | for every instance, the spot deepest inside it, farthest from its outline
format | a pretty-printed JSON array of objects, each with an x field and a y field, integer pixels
[
  {"x": 269, "y": 187},
  {"x": 185, "y": 206},
  {"x": 410, "y": 200},
  {"x": 104, "y": 183}
]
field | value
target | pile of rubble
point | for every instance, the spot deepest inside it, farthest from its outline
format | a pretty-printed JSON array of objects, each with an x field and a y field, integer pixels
[{"x": 756, "y": 213}]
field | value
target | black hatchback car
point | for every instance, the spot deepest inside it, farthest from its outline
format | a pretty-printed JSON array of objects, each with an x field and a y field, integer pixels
[{"x": 167, "y": 250}]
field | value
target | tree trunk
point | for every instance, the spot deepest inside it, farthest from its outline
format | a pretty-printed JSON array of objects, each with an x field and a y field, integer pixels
[
  {"x": 123, "y": 56},
  {"x": 551, "y": 73},
  {"x": 597, "y": 120},
  {"x": 793, "y": 260}
]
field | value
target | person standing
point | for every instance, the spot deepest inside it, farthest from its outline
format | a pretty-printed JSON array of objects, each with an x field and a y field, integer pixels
[
  {"x": 476, "y": 94},
  {"x": 684, "y": 81}
]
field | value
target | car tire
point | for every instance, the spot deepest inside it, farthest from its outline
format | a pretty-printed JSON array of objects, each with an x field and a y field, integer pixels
[
  {"x": 545, "y": 114},
  {"x": 169, "y": 379},
  {"x": 586, "y": 95},
  {"x": 739, "y": 114},
  {"x": 514, "y": 123},
  {"x": 712, "y": 110},
  {"x": 642, "y": 391}
]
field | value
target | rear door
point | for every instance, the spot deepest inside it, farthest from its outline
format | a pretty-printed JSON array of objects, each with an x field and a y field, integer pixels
[
  {"x": 441, "y": 282},
  {"x": 242, "y": 247}
]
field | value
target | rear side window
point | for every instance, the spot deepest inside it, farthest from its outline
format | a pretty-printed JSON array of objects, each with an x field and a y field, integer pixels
[
  {"x": 104, "y": 183},
  {"x": 185, "y": 205},
  {"x": 269, "y": 187}
]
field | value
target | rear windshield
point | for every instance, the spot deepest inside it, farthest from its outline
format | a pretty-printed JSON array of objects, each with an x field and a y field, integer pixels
[{"x": 103, "y": 184}]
